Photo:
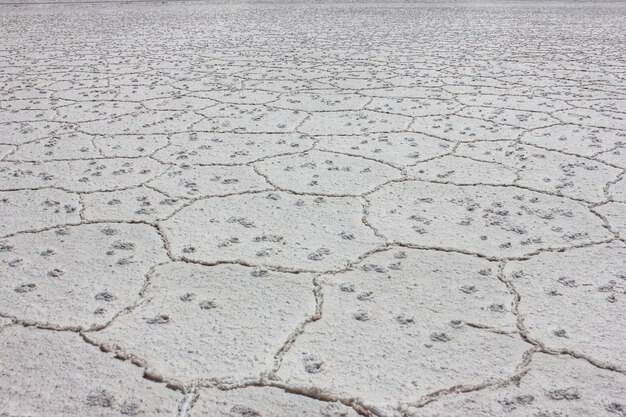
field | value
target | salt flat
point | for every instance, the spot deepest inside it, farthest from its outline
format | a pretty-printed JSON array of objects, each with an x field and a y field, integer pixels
[{"x": 281, "y": 210}]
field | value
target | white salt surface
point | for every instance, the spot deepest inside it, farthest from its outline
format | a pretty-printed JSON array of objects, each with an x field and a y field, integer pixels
[{"x": 281, "y": 210}]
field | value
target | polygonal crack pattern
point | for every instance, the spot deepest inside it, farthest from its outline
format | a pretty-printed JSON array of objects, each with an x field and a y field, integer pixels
[
  {"x": 77, "y": 276},
  {"x": 394, "y": 328},
  {"x": 226, "y": 321},
  {"x": 554, "y": 385},
  {"x": 570, "y": 301},
  {"x": 491, "y": 221},
  {"x": 85, "y": 382},
  {"x": 276, "y": 230},
  {"x": 312, "y": 210}
]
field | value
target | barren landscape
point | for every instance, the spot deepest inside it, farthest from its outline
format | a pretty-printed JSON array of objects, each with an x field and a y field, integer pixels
[{"x": 280, "y": 210}]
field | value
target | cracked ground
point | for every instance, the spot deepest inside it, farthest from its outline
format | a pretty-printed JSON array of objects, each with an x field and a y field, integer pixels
[{"x": 319, "y": 211}]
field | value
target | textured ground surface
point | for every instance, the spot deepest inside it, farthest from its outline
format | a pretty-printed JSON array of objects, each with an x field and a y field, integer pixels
[{"x": 320, "y": 211}]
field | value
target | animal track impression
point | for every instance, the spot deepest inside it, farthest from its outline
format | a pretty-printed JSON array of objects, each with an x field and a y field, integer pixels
[{"x": 312, "y": 209}]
